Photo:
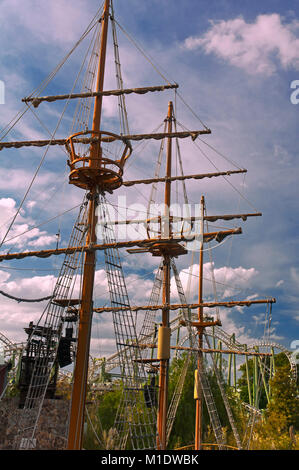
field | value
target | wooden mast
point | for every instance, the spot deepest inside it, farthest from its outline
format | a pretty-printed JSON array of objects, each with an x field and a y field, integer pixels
[
  {"x": 164, "y": 330},
  {"x": 76, "y": 423}
]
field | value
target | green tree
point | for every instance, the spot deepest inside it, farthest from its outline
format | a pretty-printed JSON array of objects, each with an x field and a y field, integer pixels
[
  {"x": 183, "y": 432},
  {"x": 284, "y": 398},
  {"x": 280, "y": 360},
  {"x": 281, "y": 420},
  {"x": 183, "y": 427}
]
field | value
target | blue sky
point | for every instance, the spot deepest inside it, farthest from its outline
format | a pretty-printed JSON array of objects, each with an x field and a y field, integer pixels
[{"x": 234, "y": 63}]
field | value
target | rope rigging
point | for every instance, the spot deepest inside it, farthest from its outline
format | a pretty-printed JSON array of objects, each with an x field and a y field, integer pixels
[
  {"x": 90, "y": 27},
  {"x": 50, "y": 77},
  {"x": 18, "y": 299}
]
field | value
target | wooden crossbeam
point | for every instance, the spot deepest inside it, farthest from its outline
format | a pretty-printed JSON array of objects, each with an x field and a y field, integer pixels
[
  {"x": 175, "y": 219},
  {"x": 39, "y": 99},
  {"x": 184, "y": 177},
  {"x": 234, "y": 351},
  {"x": 148, "y": 242},
  {"x": 205, "y": 350},
  {"x": 88, "y": 140},
  {"x": 203, "y": 324},
  {"x": 229, "y": 304}
]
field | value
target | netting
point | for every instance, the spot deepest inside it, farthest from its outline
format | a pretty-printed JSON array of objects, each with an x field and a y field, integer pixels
[
  {"x": 40, "y": 358},
  {"x": 135, "y": 422}
]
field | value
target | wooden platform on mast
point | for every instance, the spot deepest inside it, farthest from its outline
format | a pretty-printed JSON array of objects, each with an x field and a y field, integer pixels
[
  {"x": 203, "y": 324},
  {"x": 66, "y": 302},
  {"x": 147, "y": 361},
  {"x": 171, "y": 248}
]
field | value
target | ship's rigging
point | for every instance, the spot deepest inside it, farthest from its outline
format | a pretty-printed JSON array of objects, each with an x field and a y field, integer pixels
[{"x": 97, "y": 161}]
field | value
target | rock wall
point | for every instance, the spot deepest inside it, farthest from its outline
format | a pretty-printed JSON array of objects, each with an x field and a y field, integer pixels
[{"x": 51, "y": 430}]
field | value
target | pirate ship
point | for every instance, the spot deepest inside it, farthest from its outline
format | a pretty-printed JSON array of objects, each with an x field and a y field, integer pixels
[{"x": 146, "y": 336}]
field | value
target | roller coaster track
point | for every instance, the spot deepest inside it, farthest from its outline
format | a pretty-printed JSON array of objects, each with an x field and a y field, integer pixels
[
  {"x": 271, "y": 344},
  {"x": 6, "y": 341},
  {"x": 218, "y": 333},
  {"x": 9, "y": 348},
  {"x": 221, "y": 386}
]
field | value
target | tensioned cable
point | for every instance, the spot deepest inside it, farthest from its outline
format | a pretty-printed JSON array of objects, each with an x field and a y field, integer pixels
[
  {"x": 189, "y": 107},
  {"x": 158, "y": 69},
  {"x": 136, "y": 188},
  {"x": 139, "y": 144},
  {"x": 41, "y": 224},
  {"x": 44, "y": 126},
  {"x": 58, "y": 67},
  {"x": 51, "y": 317},
  {"x": 212, "y": 270},
  {"x": 45, "y": 201},
  {"x": 46, "y": 81},
  {"x": 242, "y": 195},
  {"x": 262, "y": 365},
  {"x": 190, "y": 200},
  {"x": 50, "y": 195},
  {"x": 40, "y": 121},
  {"x": 146, "y": 55},
  {"x": 82, "y": 112},
  {"x": 44, "y": 156},
  {"x": 218, "y": 282},
  {"x": 28, "y": 107},
  {"x": 93, "y": 428},
  {"x": 219, "y": 153},
  {"x": 213, "y": 148},
  {"x": 229, "y": 254},
  {"x": 25, "y": 196},
  {"x": 147, "y": 274},
  {"x": 213, "y": 164},
  {"x": 124, "y": 124},
  {"x": 61, "y": 148},
  {"x": 206, "y": 249}
]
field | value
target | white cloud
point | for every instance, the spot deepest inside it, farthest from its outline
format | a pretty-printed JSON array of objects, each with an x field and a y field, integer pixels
[
  {"x": 57, "y": 21},
  {"x": 19, "y": 179},
  {"x": 254, "y": 47},
  {"x": 16, "y": 316},
  {"x": 294, "y": 275},
  {"x": 43, "y": 240},
  {"x": 31, "y": 204},
  {"x": 4, "y": 276},
  {"x": 20, "y": 233},
  {"x": 229, "y": 281}
]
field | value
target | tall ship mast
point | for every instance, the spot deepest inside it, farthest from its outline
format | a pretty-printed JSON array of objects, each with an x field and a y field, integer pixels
[{"x": 147, "y": 335}]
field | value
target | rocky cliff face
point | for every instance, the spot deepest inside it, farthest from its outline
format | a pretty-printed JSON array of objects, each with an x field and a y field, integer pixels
[{"x": 51, "y": 430}]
